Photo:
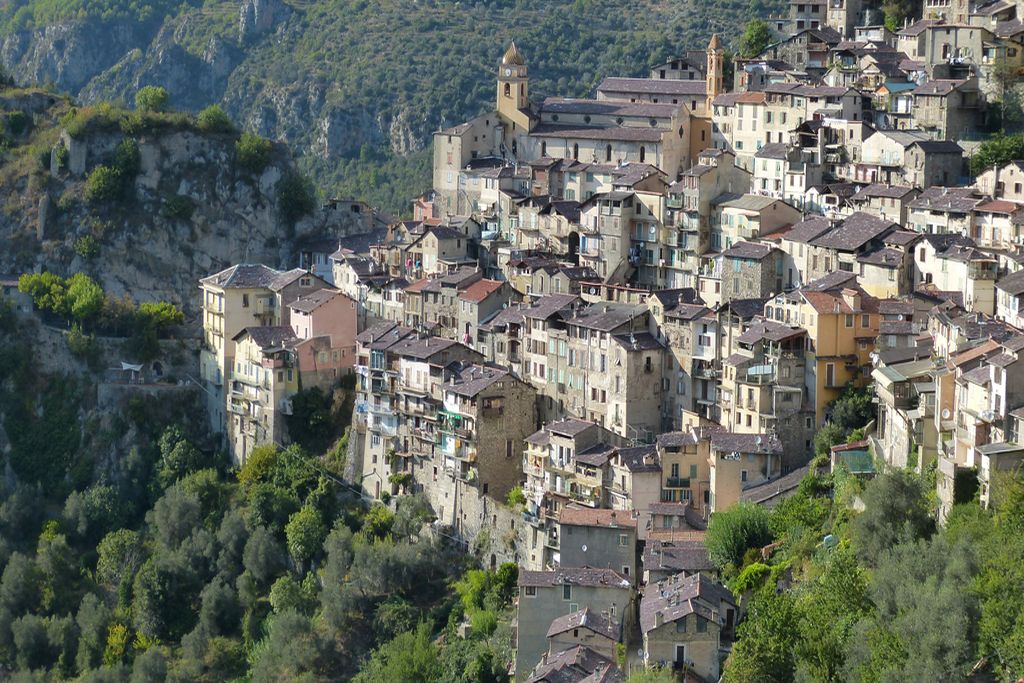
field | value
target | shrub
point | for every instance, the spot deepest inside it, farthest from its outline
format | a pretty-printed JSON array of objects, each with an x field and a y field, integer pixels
[
  {"x": 126, "y": 158},
  {"x": 103, "y": 183},
  {"x": 86, "y": 246},
  {"x": 82, "y": 345},
  {"x": 253, "y": 152},
  {"x": 178, "y": 207},
  {"x": 63, "y": 156},
  {"x": 295, "y": 197},
  {"x": 159, "y": 315},
  {"x": 214, "y": 120},
  {"x": 731, "y": 532},
  {"x": 516, "y": 497},
  {"x": 152, "y": 98}
]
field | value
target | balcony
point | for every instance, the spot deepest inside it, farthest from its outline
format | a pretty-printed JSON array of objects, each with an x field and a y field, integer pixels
[{"x": 677, "y": 483}]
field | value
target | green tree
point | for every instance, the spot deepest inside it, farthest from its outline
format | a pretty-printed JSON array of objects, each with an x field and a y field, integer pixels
[
  {"x": 152, "y": 98},
  {"x": 263, "y": 556},
  {"x": 732, "y": 531},
  {"x": 305, "y": 532},
  {"x": 212, "y": 119},
  {"x": 48, "y": 291},
  {"x": 755, "y": 38},
  {"x": 411, "y": 657},
  {"x": 289, "y": 652},
  {"x": 996, "y": 151},
  {"x": 853, "y": 409},
  {"x": 829, "y": 609},
  {"x": 253, "y": 152},
  {"x": 160, "y": 315},
  {"x": 764, "y": 650},
  {"x": 84, "y": 297},
  {"x": 295, "y": 197},
  {"x": 896, "y": 509},
  {"x": 178, "y": 456}
]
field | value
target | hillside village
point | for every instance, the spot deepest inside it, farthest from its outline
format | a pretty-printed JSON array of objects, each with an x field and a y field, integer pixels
[{"x": 612, "y": 318}]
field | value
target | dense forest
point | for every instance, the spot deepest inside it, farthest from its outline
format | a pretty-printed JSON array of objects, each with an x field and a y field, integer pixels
[{"x": 132, "y": 551}]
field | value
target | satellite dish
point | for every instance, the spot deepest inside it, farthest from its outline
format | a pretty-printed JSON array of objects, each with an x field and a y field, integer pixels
[
  {"x": 946, "y": 414},
  {"x": 640, "y": 653},
  {"x": 584, "y": 547}
]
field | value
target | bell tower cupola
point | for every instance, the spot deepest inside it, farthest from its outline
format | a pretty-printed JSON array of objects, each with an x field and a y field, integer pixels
[
  {"x": 714, "y": 70},
  {"x": 513, "y": 86}
]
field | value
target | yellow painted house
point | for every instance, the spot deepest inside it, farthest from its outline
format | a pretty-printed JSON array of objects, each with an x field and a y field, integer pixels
[{"x": 842, "y": 324}]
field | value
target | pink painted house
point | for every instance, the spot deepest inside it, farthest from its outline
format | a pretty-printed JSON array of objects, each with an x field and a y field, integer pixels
[{"x": 325, "y": 321}]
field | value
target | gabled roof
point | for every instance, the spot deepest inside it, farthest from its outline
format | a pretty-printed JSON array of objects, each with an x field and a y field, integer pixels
[
  {"x": 308, "y": 303},
  {"x": 243, "y": 276},
  {"x": 578, "y": 515},
  {"x": 584, "y": 618},
  {"x": 854, "y": 232},
  {"x": 480, "y": 290},
  {"x": 654, "y": 86},
  {"x": 471, "y": 380},
  {"x": 269, "y": 337},
  {"x": 575, "y": 576},
  {"x": 679, "y": 596},
  {"x": 1012, "y": 284},
  {"x": 764, "y": 444},
  {"x": 750, "y": 251}
]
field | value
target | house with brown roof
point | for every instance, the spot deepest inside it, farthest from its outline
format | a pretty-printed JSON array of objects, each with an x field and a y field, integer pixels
[
  {"x": 889, "y": 202},
  {"x": 687, "y": 623},
  {"x": 944, "y": 210},
  {"x": 544, "y": 596},
  {"x": 478, "y": 302},
  {"x": 584, "y": 628},
  {"x": 596, "y": 537}
]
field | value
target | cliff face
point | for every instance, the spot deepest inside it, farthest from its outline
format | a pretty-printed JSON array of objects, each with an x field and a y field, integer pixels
[{"x": 190, "y": 208}]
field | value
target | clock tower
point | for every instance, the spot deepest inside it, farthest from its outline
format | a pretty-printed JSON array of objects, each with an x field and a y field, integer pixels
[{"x": 513, "y": 90}]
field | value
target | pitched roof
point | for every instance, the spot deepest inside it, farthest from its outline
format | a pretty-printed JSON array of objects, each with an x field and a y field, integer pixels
[
  {"x": 471, "y": 380},
  {"x": 308, "y": 303},
  {"x": 576, "y": 576},
  {"x": 640, "y": 458},
  {"x": 243, "y": 276},
  {"x": 677, "y": 556},
  {"x": 269, "y": 337},
  {"x": 746, "y": 443},
  {"x": 752, "y": 251},
  {"x": 855, "y": 231},
  {"x": 584, "y": 618},
  {"x": 480, "y": 290},
  {"x": 1012, "y": 284},
  {"x": 654, "y": 86},
  {"x": 578, "y": 515},
  {"x": 679, "y": 596}
]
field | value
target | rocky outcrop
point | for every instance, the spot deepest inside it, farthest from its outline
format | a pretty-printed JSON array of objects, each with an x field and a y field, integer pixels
[
  {"x": 69, "y": 55},
  {"x": 256, "y": 17}
]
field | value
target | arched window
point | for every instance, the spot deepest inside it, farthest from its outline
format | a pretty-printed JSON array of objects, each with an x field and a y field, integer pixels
[
  {"x": 508, "y": 90},
  {"x": 575, "y": 151},
  {"x": 643, "y": 153},
  {"x": 608, "y": 153}
]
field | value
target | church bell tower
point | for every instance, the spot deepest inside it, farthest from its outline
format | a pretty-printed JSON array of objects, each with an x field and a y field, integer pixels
[{"x": 513, "y": 89}]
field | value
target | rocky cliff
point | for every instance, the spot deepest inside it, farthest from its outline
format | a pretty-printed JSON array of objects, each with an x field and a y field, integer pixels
[{"x": 187, "y": 207}]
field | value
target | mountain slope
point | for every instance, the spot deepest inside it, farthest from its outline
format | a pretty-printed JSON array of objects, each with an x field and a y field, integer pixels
[{"x": 355, "y": 86}]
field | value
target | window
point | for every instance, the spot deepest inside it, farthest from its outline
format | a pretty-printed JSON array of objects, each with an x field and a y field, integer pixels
[
  {"x": 245, "y": 301},
  {"x": 702, "y": 625},
  {"x": 849, "y": 320},
  {"x": 865, "y": 320},
  {"x": 566, "y": 592},
  {"x": 743, "y": 475},
  {"x": 681, "y": 625},
  {"x": 623, "y": 540},
  {"x": 530, "y": 591}
]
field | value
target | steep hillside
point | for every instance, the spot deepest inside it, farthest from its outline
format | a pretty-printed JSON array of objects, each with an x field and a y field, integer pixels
[
  {"x": 146, "y": 203},
  {"x": 357, "y": 87}
]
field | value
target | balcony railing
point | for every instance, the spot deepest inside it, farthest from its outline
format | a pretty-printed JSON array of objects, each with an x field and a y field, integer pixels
[{"x": 677, "y": 483}]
